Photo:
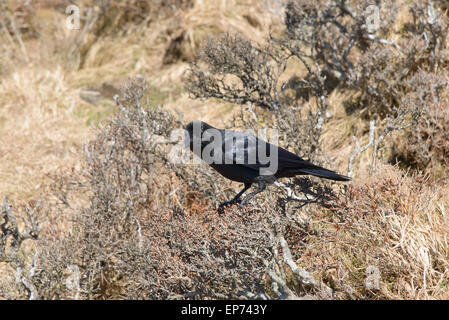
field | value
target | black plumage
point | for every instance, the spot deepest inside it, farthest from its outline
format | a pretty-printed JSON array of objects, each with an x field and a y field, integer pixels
[{"x": 243, "y": 157}]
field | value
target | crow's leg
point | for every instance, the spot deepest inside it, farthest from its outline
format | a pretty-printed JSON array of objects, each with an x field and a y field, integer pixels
[
  {"x": 236, "y": 199},
  {"x": 261, "y": 187}
]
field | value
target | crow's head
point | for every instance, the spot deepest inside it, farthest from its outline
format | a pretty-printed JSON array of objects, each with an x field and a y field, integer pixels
[{"x": 196, "y": 133}]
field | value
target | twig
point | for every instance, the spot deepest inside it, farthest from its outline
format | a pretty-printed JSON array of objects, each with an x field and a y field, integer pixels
[
  {"x": 303, "y": 276},
  {"x": 25, "y": 280},
  {"x": 358, "y": 149},
  {"x": 10, "y": 18}
]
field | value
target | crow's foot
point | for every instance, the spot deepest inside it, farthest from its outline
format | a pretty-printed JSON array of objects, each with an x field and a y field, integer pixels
[{"x": 227, "y": 204}]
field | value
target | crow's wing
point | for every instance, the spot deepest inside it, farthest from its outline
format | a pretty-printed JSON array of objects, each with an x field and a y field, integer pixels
[
  {"x": 247, "y": 150},
  {"x": 242, "y": 148}
]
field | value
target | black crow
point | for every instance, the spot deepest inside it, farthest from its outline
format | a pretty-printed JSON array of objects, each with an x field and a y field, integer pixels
[{"x": 243, "y": 157}]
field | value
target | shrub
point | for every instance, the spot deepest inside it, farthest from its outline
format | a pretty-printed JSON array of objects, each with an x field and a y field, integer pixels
[
  {"x": 427, "y": 144},
  {"x": 337, "y": 48},
  {"x": 141, "y": 238}
]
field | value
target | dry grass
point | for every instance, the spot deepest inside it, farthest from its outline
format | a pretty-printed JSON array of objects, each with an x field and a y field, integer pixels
[
  {"x": 397, "y": 223},
  {"x": 40, "y": 130}
]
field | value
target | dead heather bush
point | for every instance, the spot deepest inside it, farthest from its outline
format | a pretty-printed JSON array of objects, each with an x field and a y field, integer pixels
[
  {"x": 150, "y": 231},
  {"x": 426, "y": 145},
  {"x": 372, "y": 48},
  {"x": 17, "y": 263},
  {"x": 381, "y": 64}
]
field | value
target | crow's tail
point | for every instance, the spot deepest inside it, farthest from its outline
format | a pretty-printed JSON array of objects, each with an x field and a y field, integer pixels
[{"x": 324, "y": 173}]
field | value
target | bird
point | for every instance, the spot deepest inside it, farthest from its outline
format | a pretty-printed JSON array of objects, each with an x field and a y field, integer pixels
[{"x": 243, "y": 157}]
